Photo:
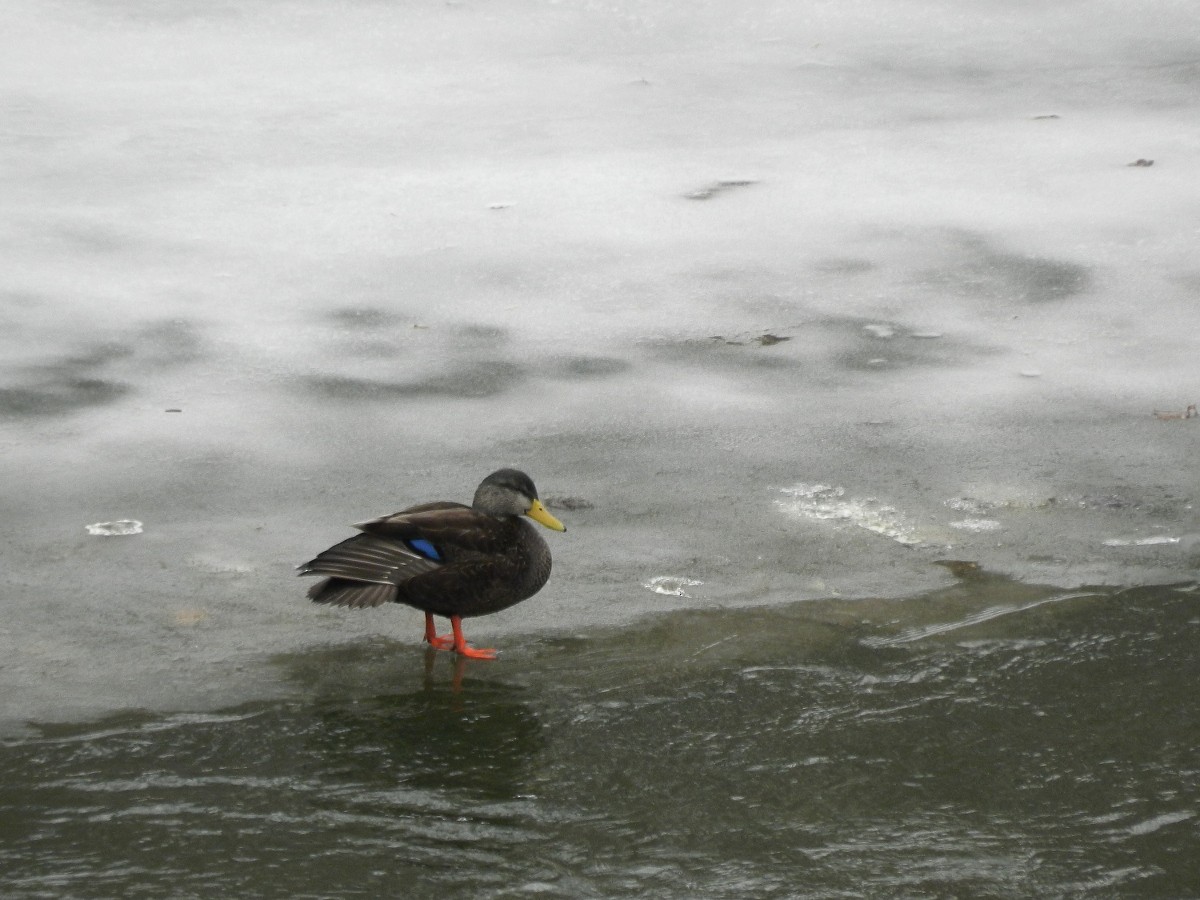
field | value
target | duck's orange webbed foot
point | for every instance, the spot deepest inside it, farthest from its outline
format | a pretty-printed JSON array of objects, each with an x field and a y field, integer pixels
[
  {"x": 460, "y": 643},
  {"x": 435, "y": 640}
]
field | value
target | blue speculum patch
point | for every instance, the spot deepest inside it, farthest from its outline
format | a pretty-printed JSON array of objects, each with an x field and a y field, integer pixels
[{"x": 426, "y": 549}]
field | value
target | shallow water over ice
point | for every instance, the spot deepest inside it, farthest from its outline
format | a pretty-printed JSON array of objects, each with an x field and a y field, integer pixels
[{"x": 809, "y": 750}]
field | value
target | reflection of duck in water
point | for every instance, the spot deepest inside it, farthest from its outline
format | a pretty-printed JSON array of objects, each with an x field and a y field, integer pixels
[
  {"x": 445, "y": 559},
  {"x": 442, "y": 747}
]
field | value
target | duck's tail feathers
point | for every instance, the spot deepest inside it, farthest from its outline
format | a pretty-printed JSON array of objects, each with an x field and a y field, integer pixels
[{"x": 354, "y": 594}]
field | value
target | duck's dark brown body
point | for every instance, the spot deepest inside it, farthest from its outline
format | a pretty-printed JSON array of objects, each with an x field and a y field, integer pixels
[{"x": 483, "y": 563}]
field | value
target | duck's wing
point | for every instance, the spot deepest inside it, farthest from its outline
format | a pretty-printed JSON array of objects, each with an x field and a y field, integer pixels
[{"x": 371, "y": 558}]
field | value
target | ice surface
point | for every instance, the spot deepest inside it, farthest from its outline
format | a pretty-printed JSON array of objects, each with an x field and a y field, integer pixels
[{"x": 273, "y": 268}]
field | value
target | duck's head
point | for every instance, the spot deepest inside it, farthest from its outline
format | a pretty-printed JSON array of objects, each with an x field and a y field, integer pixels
[{"x": 508, "y": 492}]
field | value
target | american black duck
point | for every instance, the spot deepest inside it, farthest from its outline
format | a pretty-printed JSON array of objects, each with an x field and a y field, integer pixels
[{"x": 445, "y": 559}]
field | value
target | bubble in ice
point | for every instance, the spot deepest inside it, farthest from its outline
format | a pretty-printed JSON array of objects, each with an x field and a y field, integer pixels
[
  {"x": 119, "y": 527},
  {"x": 673, "y": 585}
]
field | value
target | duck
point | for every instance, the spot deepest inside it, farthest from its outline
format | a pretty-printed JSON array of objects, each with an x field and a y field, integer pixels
[{"x": 445, "y": 559}]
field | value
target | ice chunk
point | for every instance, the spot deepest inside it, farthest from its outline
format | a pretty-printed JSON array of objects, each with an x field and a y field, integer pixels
[
  {"x": 1141, "y": 542},
  {"x": 823, "y": 501},
  {"x": 976, "y": 525},
  {"x": 119, "y": 527},
  {"x": 671, "y": 584}
]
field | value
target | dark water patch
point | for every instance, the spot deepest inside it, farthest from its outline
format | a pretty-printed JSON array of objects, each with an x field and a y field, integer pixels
[
  {"x": 481, "y": 747},
  {"x": 367, "y": 318},
  {"x": 905, "y": 355},
  {"x": 978, "y": 764},
  {"x": 370, "y": 346},
  {"x": 1189, "y": 280},
  {"x": 56, "y": 395},
  {"x": 1035, "y": 279},
  {"x": 568, "y": 503},
  {"x": 376, "y": 333},
  {"x": 96, "y": 373},
  {"x": 585, "y": 367},
  {"x": 91, "y": 237},
  {"x": 856, "y": 343},
  {"x": 189, "y": 808},
  {"x": 726, "y": 352},
  {"x": 785, "y": 752},
  {"x": 1002, "y": 276},
  {"x": 347, "y": 387},
  {"x": 1182, "y": 71},
  {"x": 370, "y": 332},
  {"x": 825, "y": 344},
  {"x": 1162, "y": 503},
  {"x": 766, "y": 339},
  {"x": 710, "y": 191},
  {"x": 476, "y": 335},
  {"x": 169, "y": 343},
  {"x": 485, "y": 378},
  {"x": 93, "y": 356},
  {"x": 15, "y": 301},
  {"x": 848, "y": 265}
]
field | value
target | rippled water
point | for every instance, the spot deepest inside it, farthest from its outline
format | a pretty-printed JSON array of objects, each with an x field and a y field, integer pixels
[{"x": 817, "y": 750}]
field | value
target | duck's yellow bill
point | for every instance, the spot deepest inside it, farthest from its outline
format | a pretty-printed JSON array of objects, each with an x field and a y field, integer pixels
[{"x": 542, "y": 516}]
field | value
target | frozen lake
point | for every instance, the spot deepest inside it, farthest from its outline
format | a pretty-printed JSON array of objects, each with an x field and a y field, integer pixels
[{"x": 824, "y": 302}]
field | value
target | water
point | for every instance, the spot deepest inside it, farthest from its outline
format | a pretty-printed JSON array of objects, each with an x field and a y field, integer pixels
[{"x": 810, "y": 750}]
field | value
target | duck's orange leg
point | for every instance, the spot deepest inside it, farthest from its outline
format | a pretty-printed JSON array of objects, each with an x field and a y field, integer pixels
[
  {"x": 438, "y": 642},
  {"x": 460, "y": 643}
]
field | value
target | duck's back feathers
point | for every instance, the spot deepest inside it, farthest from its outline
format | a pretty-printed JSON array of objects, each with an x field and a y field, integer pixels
[{"x": 442, "y": 531}]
